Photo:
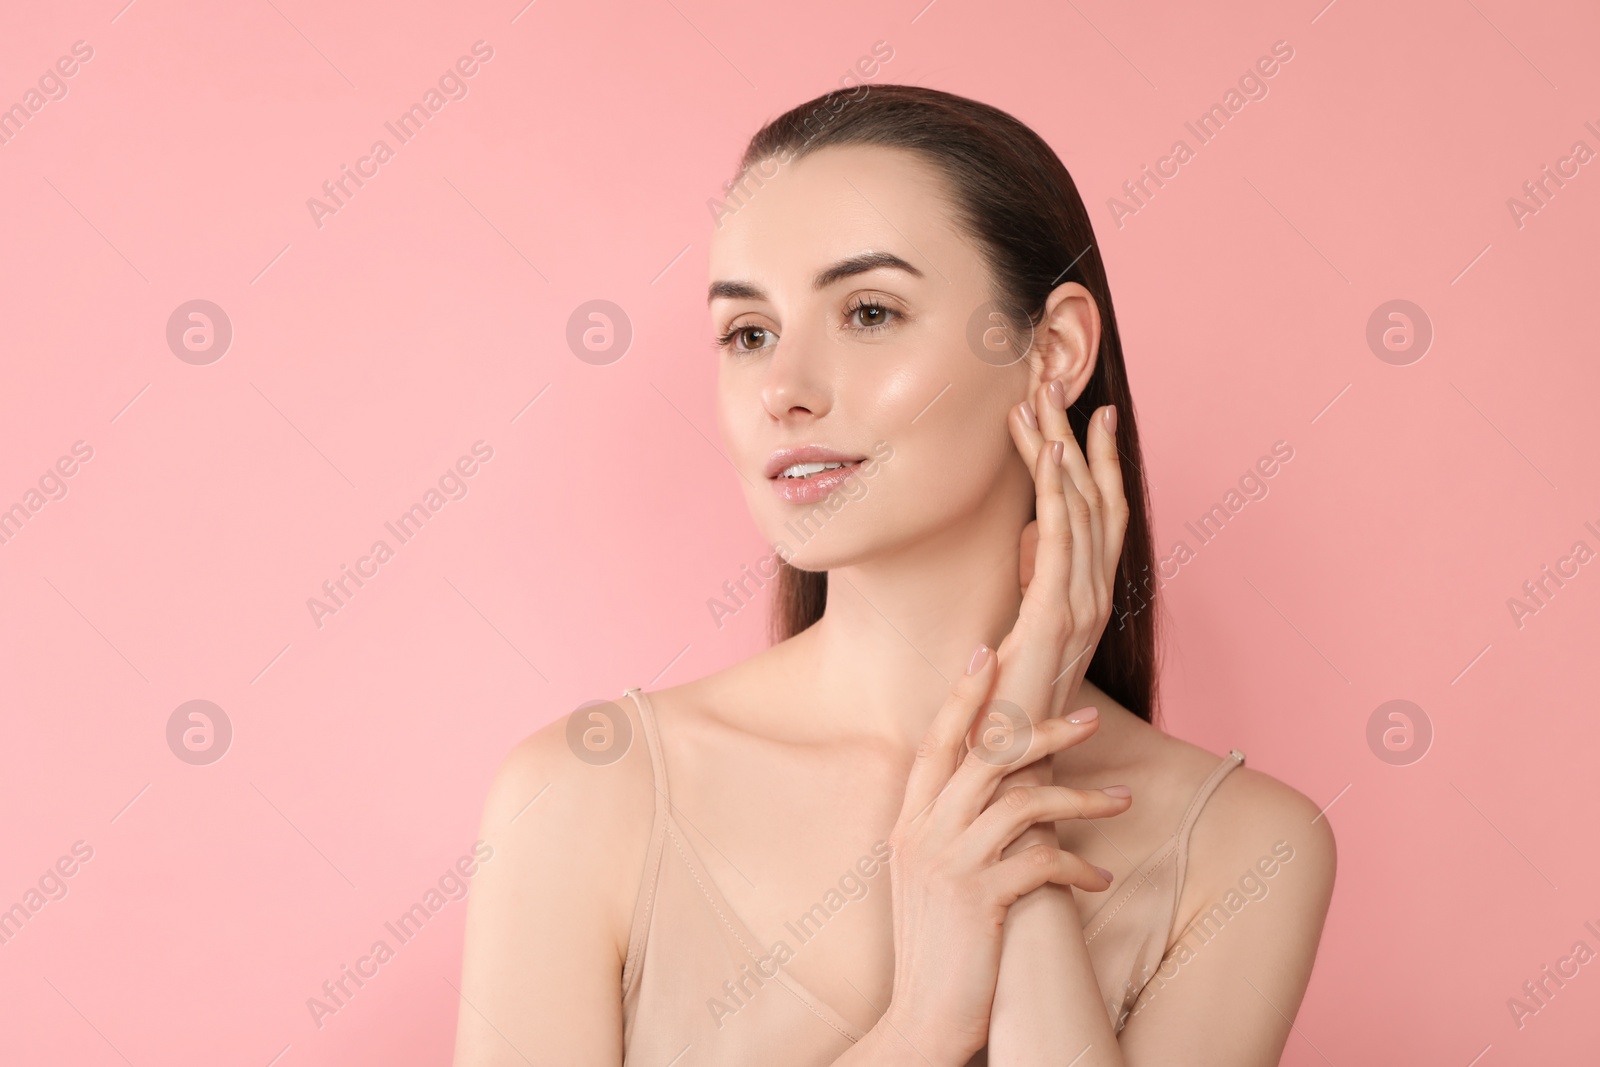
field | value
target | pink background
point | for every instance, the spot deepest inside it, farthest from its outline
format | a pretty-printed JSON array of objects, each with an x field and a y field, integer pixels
[{"x": 426, "y": 314}]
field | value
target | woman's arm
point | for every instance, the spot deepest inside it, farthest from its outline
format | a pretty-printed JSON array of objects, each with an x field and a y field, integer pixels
[
  {"x": 541, "y": 979},
  {"x": 1224, "y": 996},
  {"x": 1047, "y": 1008}
]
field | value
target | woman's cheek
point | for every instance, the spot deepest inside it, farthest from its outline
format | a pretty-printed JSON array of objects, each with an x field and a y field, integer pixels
[{"x": 739, "y": 415}]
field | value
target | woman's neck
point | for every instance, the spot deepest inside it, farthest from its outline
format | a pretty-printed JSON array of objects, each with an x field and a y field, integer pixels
[{"x": 899, "y": 630}]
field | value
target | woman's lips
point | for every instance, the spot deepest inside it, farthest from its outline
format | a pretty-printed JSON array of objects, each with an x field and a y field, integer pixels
[{"x": 813, "y": 487}]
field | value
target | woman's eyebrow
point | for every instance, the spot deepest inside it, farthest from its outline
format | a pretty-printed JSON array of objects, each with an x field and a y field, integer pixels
[{"x": 857, "y": 264}]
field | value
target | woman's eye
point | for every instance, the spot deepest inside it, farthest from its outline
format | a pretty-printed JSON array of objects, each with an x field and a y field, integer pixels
[
  {"x": 748, "y": 338},
  {"x": 871, "y": 316}
]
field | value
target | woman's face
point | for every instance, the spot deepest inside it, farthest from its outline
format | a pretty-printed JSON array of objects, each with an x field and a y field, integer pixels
[{"x": 847, "y": 294}]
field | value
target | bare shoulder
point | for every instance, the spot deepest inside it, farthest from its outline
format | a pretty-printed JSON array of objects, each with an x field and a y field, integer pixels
[
  {"x": 1256, "y": 835},
  {"x": 568, "y": 820},
  {"x": 1250, "y": 807},
  {"x": 571, "y": 808}
]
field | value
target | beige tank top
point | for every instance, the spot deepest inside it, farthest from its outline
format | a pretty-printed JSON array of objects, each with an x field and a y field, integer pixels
[{"x": 699, "y": 989}]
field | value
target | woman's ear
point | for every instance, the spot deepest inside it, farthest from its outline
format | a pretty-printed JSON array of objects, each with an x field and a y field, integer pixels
[{"x": 1067, "y": 339}]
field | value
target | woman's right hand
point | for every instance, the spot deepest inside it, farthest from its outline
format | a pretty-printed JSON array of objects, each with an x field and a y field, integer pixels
[{"x": 950, "y": 886}]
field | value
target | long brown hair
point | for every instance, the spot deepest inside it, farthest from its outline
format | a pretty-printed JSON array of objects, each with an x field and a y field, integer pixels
[{"x": 1014, "y": 196}]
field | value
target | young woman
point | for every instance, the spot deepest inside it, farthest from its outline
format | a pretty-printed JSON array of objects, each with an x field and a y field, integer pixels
[{"x": 936, "y": 823}]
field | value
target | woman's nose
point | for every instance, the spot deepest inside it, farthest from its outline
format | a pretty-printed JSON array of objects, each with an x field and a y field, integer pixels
[{"x": 797, "y": 381}]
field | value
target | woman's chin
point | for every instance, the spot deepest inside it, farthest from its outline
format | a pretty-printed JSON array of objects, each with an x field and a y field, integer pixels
[
  {"x": 808, "y": 561},
  {"x": 815, "y": 557}
]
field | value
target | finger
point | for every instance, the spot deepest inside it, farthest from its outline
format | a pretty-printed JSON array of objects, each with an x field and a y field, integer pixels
[
  {"x": 1050, "y": 400},
  {"x": 1105, "y": 460},
  {"x": 1034, "y": 866},
  {"x": 1031, "y": 650},
  {"x": 1018, "y": 808},
  {"x": 1093, "y": 558},
  {"x": 1024, "y": 425},
  {"x": 1055, "y": 425},
  {"x": 978, "y": 779},
  {"x": 944, "y": 745},
  {"x": 1025, "y": 432},
  {"x": 1085, "y": 589}
]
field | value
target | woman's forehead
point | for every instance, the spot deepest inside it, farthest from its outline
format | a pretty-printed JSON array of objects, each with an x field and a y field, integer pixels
[{"x": 789, "y": 221}]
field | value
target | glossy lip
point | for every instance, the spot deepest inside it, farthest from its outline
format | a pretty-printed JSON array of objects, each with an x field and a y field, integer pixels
[
  {"x": 784, "y": 458},
  {"x": 813, "y": 488}
]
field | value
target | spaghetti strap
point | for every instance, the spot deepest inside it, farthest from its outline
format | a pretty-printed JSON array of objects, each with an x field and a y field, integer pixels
[
  {"x": 644, "y": 905},
  {"x": 1233, "y": 759},
  {"x": 658, "y": 762}
]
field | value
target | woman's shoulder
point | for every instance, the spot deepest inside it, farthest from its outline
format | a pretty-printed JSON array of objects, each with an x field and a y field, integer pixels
[
  {"x": 1253, "y": 827},
  {"x": 594, "y": 757},
  {"x": 1251, "y": 810},
  {"x": 1246, "y": 805},
  {"x": 571, "y": 808},
  {"x": 736, "y": 699}
]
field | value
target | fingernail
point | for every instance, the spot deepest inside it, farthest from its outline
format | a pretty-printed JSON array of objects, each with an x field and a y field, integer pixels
[
  {"x": 1111, "y": 419},
  {"x": 1058, "y": 395},
  {"x": 1117, "y": 791},
  {"x": 980, "y": 656},
  {"x": 1028, "y": 416},
  {"x": 1088, "y": 714},
  {"x": 1103, "y": 872},
  {"x": 1058, "y": 450}
]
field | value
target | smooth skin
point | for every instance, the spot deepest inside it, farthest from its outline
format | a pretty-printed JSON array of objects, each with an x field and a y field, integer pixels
[{"x": 789, "y": 765}]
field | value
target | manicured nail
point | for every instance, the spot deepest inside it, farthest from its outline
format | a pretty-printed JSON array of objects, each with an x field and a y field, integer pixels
[
  {"x": 1028, "y": 416},
  {"x": 980, "y": 656},
  {"x": 1103, "y": 872},
  {"x": 1088, "y": 714},
  {"x": 1058, "y": 450},
  {"x": 1111, "y": 419},
  {"x": 1117, "y": 791},
  {"x": 1058, "y": 395}
]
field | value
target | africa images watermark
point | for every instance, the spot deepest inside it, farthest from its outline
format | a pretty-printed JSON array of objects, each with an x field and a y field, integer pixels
[
  {"x": 452, "y": 85},
  {"x": 52, "y": 485},
  {"x": 851, "y": 886},
  {"x": 740, "y": 595},
  {"x": 52, "y": 86},
  {"x": 738, "y": 189},
  {"x": 1540, "y": 590},
  {"x": 52, "y": 885},
  {"x": 1252, "y": 486},
  {"x": 1252, "y": 85},
  {"x": 1537, "y": 994},
  {"x": 452, "y": 485},
  {"x": 1251, "y": 887},
  {"x": 1539, "y": 191},
  {"x": 450, "y": 886}
]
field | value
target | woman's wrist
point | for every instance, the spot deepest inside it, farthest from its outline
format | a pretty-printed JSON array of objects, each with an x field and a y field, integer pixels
[{"x": 894, "y": 1042}]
